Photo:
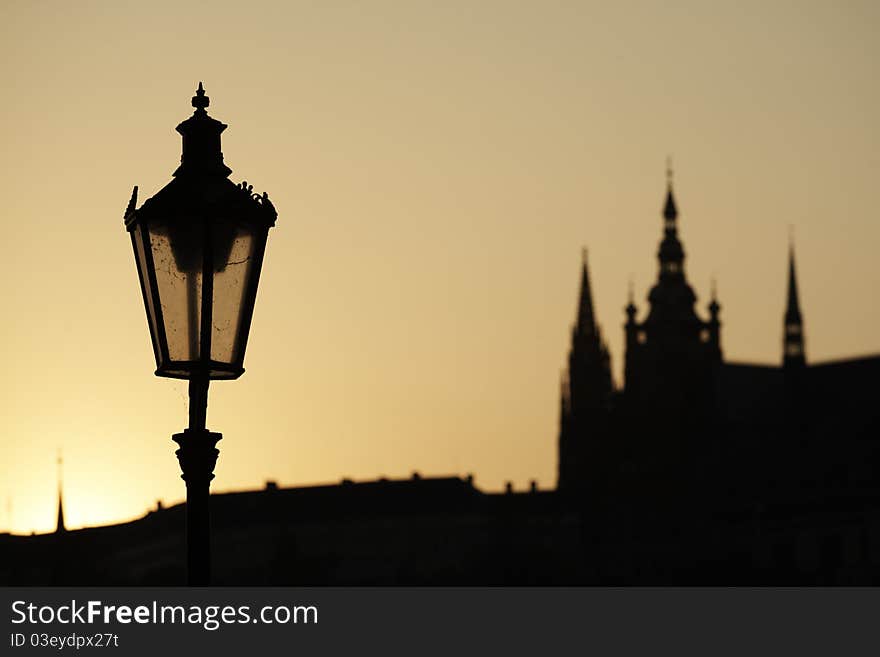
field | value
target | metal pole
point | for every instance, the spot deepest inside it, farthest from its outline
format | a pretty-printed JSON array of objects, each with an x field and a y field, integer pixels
[
  {"x": 198, "y": 402},
  {"x": 198, "y": 456}
]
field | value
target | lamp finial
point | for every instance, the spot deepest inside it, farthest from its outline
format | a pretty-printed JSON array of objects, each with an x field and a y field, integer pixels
[{"x": 200, "y": 101}]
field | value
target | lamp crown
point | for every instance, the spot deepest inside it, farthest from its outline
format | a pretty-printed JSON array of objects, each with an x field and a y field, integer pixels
[{"x": 201, "y": 140}]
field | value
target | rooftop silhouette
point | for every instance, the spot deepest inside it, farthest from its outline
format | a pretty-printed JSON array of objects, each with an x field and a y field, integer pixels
[{"x": 696, "y": 470}]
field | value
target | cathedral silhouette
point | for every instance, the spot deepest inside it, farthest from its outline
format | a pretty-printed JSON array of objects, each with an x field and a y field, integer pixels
[
  {"x": 712, "y": 470},
  {"x": 696, "y": 471}
]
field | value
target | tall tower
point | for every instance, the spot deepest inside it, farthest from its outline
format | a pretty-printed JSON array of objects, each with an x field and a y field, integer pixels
[
  {"x": 793, "y": 354},
  {"x": 585, "y": 396},
  {"x": 672, "y": 321},
  {"x": 671, "y": 360}
]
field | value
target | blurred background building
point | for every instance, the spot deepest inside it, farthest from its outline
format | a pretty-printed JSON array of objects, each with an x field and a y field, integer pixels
[{"x": 695, "y": 470}]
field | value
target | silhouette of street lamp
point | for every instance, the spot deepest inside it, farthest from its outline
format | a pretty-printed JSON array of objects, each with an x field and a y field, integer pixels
[{"x": 198, "y": 245}]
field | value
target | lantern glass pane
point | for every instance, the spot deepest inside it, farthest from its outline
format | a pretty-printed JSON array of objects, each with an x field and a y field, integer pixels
[
  {"x": 178, "y": 258},
  {"x": 233, "y": 246},
  {"x": 143, "y": 272}
]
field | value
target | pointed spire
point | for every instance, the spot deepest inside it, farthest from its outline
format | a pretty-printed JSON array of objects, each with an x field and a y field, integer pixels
[
  {"x": 671, "y": 253},
  {"x": 793, "y": 331},
  {"x": 59, "y": 525},
  {"x": 630, "y": 308},
  {"x": 670, "y": 211},
  {"x": 586, "y": 390},
  {"x": 793, "y": 308},
  {"x": 586, "y": 320},
  {"x": 714, "y": 306}
]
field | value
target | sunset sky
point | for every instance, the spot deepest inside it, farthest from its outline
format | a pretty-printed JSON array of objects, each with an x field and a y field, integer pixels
[{"x": 437, "y": 168}]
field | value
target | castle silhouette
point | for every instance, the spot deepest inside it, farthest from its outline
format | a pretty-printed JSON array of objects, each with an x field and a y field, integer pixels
[
  {"x": 682, "y": 407},
  {"x": 696, "y": 471},
  {"x": 715, "y": 471}
]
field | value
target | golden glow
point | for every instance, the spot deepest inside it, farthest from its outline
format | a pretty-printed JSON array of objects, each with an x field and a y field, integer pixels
[{"x": 436, "y": 168}]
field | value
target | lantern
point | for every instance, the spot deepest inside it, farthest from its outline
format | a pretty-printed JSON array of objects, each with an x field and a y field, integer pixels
[{"x": 199, "y": 244}]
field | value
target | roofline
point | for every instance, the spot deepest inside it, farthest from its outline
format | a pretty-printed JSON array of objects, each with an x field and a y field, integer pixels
[{"x": 836, "y": 361}]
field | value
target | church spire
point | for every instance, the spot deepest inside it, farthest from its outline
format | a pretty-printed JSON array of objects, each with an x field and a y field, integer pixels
[
  {"x": 59, "y": 526},
  {"x": 585, "y": 392},
  {"x": 630, "y": 308},
  {"x": 672, "y": 332},
  {"x": 793, "y": 307},
  {"x": 671, "y": 253},
  {"x": 793, "y": 339},
  {"x": 670, "y": 210},
  {"x": 586, "y": 322},
  {"x": 714, "y": 306}
]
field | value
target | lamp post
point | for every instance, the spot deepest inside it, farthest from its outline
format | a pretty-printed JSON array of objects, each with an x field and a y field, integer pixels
[{"x": 198, "y": 245}]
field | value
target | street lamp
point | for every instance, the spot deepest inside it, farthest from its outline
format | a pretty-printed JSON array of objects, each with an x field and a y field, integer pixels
[{"x": 198, "y": 245}]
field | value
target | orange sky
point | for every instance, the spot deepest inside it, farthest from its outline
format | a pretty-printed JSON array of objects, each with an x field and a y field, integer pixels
[{"x": 436, "y": 169}]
